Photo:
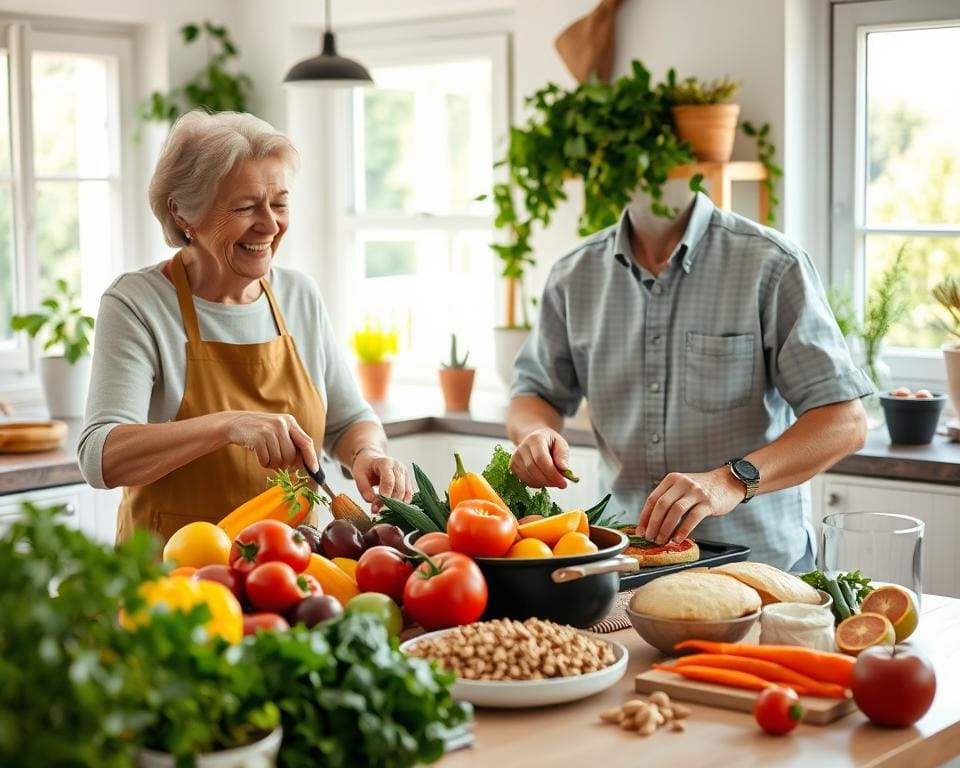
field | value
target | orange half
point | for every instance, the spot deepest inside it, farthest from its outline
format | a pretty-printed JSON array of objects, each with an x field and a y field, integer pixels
[
  {"x": 863, "y": 630},
  {"x": 897, "y": 605}
]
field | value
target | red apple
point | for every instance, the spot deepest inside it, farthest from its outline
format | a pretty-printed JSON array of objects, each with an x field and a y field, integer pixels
[{"x": 894, "y": 688}]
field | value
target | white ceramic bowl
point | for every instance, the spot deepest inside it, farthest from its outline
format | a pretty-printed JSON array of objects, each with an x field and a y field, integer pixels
[{"x": 535, "y": 693}]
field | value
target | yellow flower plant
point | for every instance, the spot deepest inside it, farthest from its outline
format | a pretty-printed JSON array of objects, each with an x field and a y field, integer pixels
[{"x": 374, "y": 344}]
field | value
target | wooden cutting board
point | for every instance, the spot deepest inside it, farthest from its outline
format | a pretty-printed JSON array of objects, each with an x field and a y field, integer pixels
[
  {"x": 817, "y": 711},
  {"x": 32, "y": 436}
]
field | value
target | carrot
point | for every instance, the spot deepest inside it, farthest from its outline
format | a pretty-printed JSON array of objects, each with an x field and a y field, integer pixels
[
  {"x": 730, "y": 677},
  {"x": 768, "y": 670},
  {"x": 820, "y": 665},
  {"x": 289, "y": 499}
]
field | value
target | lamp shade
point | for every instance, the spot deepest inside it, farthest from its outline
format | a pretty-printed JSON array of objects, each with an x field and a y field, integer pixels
[{"x": 329, "y": 69}]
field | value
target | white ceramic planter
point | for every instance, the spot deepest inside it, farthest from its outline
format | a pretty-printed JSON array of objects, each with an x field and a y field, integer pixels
[
  {"x": 260, "y": 754},
  {"x": 65, "y": 386},
  {"x": 951, "y": 360},
  {"x": 506, "y": 344}
]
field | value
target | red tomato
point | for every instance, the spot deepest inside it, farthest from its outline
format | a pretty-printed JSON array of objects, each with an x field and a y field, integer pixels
[
  {"x": 254, "y": 622},
  {"x": 433, "y": 543},
  {"x": 269, "y": 541},
  {"x": 481, "y": 529},
  {"x": 778, "y": 710},
  {"x": 384, "y": 570},
  {"x": 313, "y": 586},
  {"x": 445, "y": 591},
  {"x": 223, "y": 574},
  {"x": 275, "y": 587}
]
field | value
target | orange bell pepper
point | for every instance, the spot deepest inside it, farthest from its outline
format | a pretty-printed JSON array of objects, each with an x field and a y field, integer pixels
[
  {"x": 468, "y": 486},
  {"x": 333, "y": 579}
]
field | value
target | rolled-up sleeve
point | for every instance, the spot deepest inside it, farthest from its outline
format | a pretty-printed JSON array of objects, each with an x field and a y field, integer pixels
[
  {"x": 808, "y": 359},
  {"x": 544, "y": 366}
]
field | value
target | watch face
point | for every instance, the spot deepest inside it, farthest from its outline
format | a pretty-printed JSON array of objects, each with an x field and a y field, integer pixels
[{"x": 746, "y": 470}]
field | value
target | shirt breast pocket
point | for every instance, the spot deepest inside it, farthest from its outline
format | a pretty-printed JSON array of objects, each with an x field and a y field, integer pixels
[{"x": 718, "y": 371}]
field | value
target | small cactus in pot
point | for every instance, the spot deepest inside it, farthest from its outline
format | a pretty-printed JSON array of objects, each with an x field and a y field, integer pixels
[{"x": 456, "y": 379}]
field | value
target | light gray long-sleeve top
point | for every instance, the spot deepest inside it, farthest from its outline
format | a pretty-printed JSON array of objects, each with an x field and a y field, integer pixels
[{"x": 139, "y": 362}]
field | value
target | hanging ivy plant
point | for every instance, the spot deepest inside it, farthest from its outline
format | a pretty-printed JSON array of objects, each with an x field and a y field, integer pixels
[{"x": 213, "y": 88}]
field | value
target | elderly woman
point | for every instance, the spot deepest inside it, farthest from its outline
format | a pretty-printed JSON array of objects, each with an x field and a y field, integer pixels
[{"x": 217, "y": 366}]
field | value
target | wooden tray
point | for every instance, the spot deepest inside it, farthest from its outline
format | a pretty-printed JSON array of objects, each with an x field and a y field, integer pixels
[
  {"x": 32, "y": 436},
  {"x": 817, "y": 711}
]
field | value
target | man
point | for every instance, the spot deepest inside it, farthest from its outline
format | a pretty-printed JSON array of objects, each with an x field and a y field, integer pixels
[{"x": 714, "y": 371}]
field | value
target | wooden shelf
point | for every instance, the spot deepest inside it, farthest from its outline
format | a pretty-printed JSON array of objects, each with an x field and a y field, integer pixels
[{"x": 720, "y": 177}]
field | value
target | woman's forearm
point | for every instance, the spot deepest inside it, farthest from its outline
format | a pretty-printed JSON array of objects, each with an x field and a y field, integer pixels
[
  {"x": 138, "y": 454},
  {"x": 364, "y": 435},
  {"x": 816, "y": 441}
]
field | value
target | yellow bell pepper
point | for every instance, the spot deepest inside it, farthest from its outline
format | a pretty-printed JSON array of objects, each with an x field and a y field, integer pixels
[
  {"x": 334, "y": 580},
  {"x": 179, "y": 593}
]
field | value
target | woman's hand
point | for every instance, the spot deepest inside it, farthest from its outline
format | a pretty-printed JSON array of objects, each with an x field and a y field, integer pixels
[
  {"x": 682, "y": 501},
  {"x": 276, "y": 438},
  {"x": 372, "y": 468},
  {"x": 540, "y": 458}
]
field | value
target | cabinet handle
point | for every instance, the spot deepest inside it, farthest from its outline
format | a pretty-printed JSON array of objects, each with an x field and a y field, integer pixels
[
  {"x": 834, "y": 499},
  {"x": 69, "y": 510}
]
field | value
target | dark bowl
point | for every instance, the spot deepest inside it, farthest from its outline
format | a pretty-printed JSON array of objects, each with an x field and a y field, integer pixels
[
  {"x": 581, "y": 594},
  {"x": 912, "y": 421}
]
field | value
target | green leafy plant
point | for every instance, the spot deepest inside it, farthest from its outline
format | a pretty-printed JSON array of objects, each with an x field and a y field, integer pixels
[
  {"x": 840, "y": 299},
  {"x": 214, "y": 88},
  {"x": 887, "y": 303},
  {"x": 692, "y": 90},
  {"x": 455, "y": 361},
  {"x": 374, "y": 344},
  {"x": 947, "y": 292},
  {"x": 766, "y": 152},
  {"x": 63, "y": 322}
]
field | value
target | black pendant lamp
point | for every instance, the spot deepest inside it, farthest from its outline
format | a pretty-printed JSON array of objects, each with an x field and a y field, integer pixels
[{"x": 329, "y": 69}]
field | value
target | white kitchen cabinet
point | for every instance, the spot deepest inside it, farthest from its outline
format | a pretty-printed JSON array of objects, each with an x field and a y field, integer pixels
[
  {"x": 938, "y": 506},
  {"x": 433, "y": 453},
  {"x": 84, "y": 508}
]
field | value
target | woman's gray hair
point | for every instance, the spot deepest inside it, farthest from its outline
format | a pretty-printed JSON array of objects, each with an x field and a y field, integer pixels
[{"x": 199, "y": 152}]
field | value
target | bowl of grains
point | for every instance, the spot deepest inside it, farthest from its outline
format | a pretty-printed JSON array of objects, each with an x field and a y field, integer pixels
[{"x": 531, "y": 663}]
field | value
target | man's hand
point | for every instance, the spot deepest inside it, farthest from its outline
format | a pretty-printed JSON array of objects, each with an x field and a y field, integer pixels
[
  {"x": 681, "y": 501},
  {"x": 372, "y": 468},
  {"x": 540, "y": 458}
]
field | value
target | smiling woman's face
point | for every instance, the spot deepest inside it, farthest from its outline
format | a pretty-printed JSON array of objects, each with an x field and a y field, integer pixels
[{"x": 248, "y": 218}]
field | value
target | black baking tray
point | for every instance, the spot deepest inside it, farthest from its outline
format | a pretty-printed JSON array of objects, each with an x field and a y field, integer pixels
[{"x": 711, "y": 553}]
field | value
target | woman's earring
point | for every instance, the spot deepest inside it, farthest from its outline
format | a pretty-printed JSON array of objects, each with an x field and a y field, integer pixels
[{"x": 188, "y": 234}]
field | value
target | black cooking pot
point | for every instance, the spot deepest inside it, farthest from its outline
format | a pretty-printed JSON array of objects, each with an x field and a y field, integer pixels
[{"x": 575, "y": 589}]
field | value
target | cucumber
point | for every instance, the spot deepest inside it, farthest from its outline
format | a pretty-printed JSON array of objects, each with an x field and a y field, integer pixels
[
  {"x": 849, "y": 595},
  {"x": 841, "y": 610}
]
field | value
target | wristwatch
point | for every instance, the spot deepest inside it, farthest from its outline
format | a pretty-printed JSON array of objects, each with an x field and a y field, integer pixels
[{"x": 747, "y": 474}]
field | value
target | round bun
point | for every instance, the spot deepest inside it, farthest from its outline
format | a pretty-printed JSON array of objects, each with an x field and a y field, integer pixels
[
  {"x": 772, "y": 584},
  {"x": 695, "y": 596}
]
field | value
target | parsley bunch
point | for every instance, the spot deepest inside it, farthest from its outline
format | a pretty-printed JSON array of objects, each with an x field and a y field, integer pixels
[{"x": 513, "y": 492}]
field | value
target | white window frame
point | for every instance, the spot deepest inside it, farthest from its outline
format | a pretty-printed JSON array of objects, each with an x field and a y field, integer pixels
[
  {"x": 22, "y": 38},
  {"x": 851, "y": 23},
  {"x": 347, "y": 222}
]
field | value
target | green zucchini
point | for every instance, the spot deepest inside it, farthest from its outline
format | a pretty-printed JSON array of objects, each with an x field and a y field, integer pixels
[
  {"x": 841, "y": 610},
  {"x": 413, "y": 516},
  {"x": 428, "y": 495}
]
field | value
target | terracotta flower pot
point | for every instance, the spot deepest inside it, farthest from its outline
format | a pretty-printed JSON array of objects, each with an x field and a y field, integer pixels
[
  {"x": 951, "y": 360},
  {"x": 374, "y": 378},
  {"x": 709, "y": 128},
  {"x": 457, "y": 385}
]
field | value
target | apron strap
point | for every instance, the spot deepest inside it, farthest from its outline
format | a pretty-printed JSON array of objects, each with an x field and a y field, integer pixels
[
  {"x": 187, "y": 311},
  {"x": 277, "y": 316}
]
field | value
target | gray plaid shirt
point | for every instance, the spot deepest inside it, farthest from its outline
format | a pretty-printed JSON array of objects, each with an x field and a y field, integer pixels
[{"x": 708, "y": 362}]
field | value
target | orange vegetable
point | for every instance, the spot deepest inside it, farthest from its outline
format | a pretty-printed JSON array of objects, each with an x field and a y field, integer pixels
[
  {"x": 551, "y": 529},
  {"x": 820, "y": 665},
  {"x": 729, "y": 677},
  {"x": 333, "y": 579},
  {"x": 289, "y": 499},
  {"x": 768, "y": 670},
  {"x": 575, "y": 543},
  {"x": 466, "y": 486},
  {"x": 583, "y": 525}
]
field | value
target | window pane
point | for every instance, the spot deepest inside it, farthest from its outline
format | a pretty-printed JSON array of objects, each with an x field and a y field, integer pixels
[
  {"x": 390, "y": 258},
  {"x": 929, "y": 259},
  {"x": 426, "y": 138},
  {"x": 913, "y": 114},
  {"x": 447, "y": 291},
  {"x": 70, "y": 114},
  {"x": 8, "y": 270},
  {"x": 4, "y": 113},
  {"x": 73, "y": 229}
]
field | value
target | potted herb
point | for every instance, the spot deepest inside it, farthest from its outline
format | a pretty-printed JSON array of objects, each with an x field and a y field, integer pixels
[
  {"x": 65, "y": 372},
  {"x": 374, "y": 346},
  {"x": 456, "y": 380},
  {"x": 947, "y": 292},
  {"x": 704, "y": 116}
]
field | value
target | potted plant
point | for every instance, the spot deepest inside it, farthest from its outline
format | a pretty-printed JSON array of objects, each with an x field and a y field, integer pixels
[
  {"x": 456, "y": 380},
  {"x": 374, "y": 346},
  {"x": 703, "y": 116},
  {"x": 947, "y": 292},
  {"x": 65, "y": 376}
]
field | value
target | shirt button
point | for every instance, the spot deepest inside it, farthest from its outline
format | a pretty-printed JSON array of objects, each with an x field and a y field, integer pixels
[
  {"x": 655, "y": 387},
  {"x": 655, "y": 438},
  {"x": 657, "y": 289},
  {"x": 656, "y": 339}
]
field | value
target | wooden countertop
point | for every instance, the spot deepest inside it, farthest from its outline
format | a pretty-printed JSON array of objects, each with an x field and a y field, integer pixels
[
  {"x": 419, "y": 410},
  {"x": 572, "y": 735}
]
